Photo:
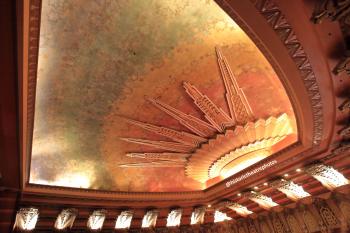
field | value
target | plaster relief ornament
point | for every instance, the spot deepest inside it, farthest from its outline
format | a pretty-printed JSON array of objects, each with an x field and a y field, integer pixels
[
  {"x": 221, "y": 146},
  {"x": 174, "y": 218},
  {"x": 327, "y": 175},
  {"x": 239, "y": 209},
  {"x": 262, "y": 200},
  {"x": 292, "y": 190},
  {"x": 197, "y": 216},
  {"x": 65, "y": 219},
  {"x": 220, "y": 217},
  {"x": 124, "y": 220},
  {"x": 150, "y": 219},
  {"x": 96, "y": 220},
  {"x": 26, "y": 219}
]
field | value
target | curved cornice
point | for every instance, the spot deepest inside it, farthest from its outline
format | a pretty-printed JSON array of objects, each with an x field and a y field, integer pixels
[{"x": 265, "y": 23}]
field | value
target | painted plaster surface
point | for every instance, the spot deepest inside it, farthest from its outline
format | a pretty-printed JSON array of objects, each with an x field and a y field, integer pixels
[{"x": 101, "y": 59}]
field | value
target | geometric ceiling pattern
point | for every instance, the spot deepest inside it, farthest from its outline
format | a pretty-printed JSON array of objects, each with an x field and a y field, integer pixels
[{"x": 124, "y": 105}]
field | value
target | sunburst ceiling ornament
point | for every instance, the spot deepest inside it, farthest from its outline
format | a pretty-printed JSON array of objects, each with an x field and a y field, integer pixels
[{"x": 223, "y": 145}]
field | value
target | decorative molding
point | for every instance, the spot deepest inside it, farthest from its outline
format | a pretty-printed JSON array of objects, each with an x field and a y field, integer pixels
[
  {"x": 215, "y": 115},
  {"x": 194, "y": 124},
  {"x": 178, "y": 136},
  {"x": 275, "y": 18},
  {"x": 168, "y": 146},
  {"x": 345, "y": 132},
  {"x": 336, "y": 10},
  {"x": 239, "y": 141},
  {"x": 240, "y": 109},
  {"x": 185, "y": 120},
  {"x": 345, "y": 105}
]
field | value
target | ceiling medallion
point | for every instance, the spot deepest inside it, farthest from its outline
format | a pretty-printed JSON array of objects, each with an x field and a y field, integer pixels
[{"x": 224, "y": 144}]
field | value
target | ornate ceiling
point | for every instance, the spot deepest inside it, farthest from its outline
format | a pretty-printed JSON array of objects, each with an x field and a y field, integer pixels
[
  {"x": 172, "y": 116},
  {"x": 151, "y": 96}
]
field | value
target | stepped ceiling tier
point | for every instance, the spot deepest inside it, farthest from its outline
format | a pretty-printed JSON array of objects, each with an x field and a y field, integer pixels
[
  {"x": 169, "y": 116},
  {"x": 124, "y": 105}
]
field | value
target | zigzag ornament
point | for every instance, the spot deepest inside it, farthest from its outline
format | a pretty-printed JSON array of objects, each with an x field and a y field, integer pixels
[{"x": 218, "y": 146}]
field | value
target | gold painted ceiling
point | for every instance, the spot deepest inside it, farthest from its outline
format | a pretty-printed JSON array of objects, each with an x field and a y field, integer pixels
[{"x": 106, "y": 68}]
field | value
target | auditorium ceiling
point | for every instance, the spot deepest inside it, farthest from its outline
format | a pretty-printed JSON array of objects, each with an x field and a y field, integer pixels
[{"x": 151, "y": 96}]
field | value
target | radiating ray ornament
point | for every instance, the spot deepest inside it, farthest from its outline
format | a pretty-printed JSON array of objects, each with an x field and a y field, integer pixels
[{"x": 220, "y": 146}]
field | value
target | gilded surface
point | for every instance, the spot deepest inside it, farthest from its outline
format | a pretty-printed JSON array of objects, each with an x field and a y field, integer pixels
[{"x": 102, "y": 59}]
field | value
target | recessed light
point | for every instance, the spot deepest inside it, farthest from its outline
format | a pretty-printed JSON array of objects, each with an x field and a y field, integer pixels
[
  {"x": 256, "y": 187},
  {"x": 209, "y": 205},
  {"x": 265, "y": 184},
  {"x": 238, "y": 194},
  {"x": 286, "y": 175},
  {"x": 298, "y": 170}
]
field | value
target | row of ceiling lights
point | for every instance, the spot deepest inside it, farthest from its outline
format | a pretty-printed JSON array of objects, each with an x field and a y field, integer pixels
[{"x": 27, "y": 218}]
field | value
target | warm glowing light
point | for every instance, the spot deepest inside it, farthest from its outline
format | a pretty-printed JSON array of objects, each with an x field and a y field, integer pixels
[
  {"x": 150, "y": 218},
  {"x": 298, "y": 170},
  {"x": 327, "y": 175},
  {"x": 286, "y": 175},
  {"x": 266, "y": 184},
  {"x": 197, "y": 216},
  {"x": 220, "y": 217},
  {"x": 124, "y": 220},
  {"x": 209, "y": 205},
  {"x": 66, "y": 219},
  {"x": 75, "y": 180},
  {"x": 256, "y": 188},
  {"x": 96, "y": 220},
  {"x": 238, "y": 194},
  {"x": 241, "y": 210},
  {"x": 26, "y": 219},
  {"x": 246, "y": 161},
  {"x": 292, "y": 190},
  {"x": 174, "y": 218},
  {"x": 262, "y": 200}
]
